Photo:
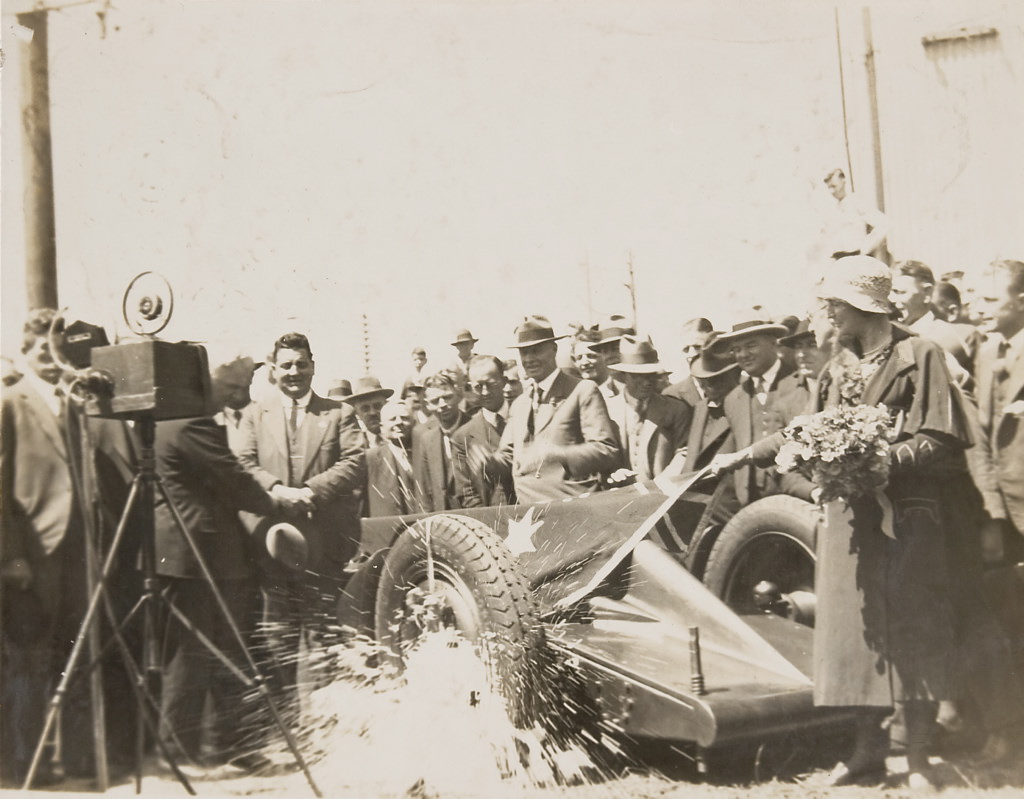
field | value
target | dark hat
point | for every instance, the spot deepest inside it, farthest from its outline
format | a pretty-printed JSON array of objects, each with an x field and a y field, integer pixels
[
  {"x": 713, "y": 360},
  {"x": 611, "y": 330},
  {"x": 464, "y": 337},
  {"x": 367, "y": 387},
  {"x": 803, "y": 331},
  {"x": 339, "y": 389},
  {"x": 534, "y": 330},
  {"x": 755, "y": 327},
  {"x": 638, "y": 357},
  {"x": 420, "y": 350}
]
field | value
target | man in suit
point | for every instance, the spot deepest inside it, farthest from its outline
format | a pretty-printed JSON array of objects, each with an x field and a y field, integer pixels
[
  {"x": 208, "y": 487},
  {"x": 308, "y": 452},
  {"x": 651, "y": 428},
  {"x": 233, "y": 379},
  {"x": 768, "y": 397},
  {"x": 432, "y": 464},
  {"x": 43, "y": 589},
  {"x": 390, "y": 484},
  {"x": 479, "y": 438},
  {"x": 716, "y": 374},
  {"x": 367, "y": 400},
  {"x": 1000, "y": 392},
  {"x": 695, "y": 335},
  {"x": 559, "y": 441}
]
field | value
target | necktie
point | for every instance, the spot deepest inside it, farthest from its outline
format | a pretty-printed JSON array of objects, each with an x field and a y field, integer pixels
[
  {"x": 236, "y": 416},
  {"x": 499, "y": 423},
  {"x": 293, "y": 420}
]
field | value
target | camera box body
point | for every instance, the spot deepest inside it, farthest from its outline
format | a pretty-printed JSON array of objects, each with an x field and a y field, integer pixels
[{"x": 161, "y": 379}]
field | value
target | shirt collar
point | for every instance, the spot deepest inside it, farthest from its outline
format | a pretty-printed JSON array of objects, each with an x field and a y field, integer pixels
[
  {"x": 47, "y": 391},
  {"x": 303, "y": 401},
  {"x": 769, "y": 376},
  {"x": 546, "y": 384},
  {"x": 492, "y": 416},
  {"x": 1015, "y": 343}
]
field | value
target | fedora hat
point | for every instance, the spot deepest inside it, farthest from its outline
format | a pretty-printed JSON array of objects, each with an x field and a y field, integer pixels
[
  {"x": 611, "y": 330},
  {"x": 714, "y": 359},
  {"x": 367, "y": 387},
  {"x": 339, "y": 389},
  {"x": 755, "y": 327},
  {"x": 861, "y": 281},
  {"x": 534, "y": 330},
  {"x": 463, "y": 337},
  {"x": 803, "y": 332},
  {"x": 638, "y": 357}
]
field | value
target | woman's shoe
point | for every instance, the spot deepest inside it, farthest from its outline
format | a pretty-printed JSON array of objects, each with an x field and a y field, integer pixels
[{"x": 866, "y": 773}]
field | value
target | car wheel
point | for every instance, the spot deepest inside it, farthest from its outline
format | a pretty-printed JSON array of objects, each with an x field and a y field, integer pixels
[
  {"x": 764, "y": 558},
  {"x": 454, "y": 572}
]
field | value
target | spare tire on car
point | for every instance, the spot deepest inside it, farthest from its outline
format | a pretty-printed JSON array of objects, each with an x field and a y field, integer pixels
[
  {"x": 768, "y": 547},
  {"x": 454, "y": 572}
]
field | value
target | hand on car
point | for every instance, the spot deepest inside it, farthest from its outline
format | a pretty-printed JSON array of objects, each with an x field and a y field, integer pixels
[{"x": 723, "y": 463}]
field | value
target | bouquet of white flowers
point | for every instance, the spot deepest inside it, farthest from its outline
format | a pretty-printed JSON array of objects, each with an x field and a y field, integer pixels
[{"x": 844, "y": 451}]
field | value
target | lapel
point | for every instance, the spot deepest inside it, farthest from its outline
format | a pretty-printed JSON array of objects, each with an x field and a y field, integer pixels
[
  {"x": 984, "y": 374},
  {"x": 314, "y": 427},
  {"x": 900, "y": 361},
  {"x": 1015, "y": 379},
  {"x": 273, "y": 422},
  {"x": 742, "y": 396},
  {"x": 48, "y": 423},
  {"x": 560, "y": 389}
]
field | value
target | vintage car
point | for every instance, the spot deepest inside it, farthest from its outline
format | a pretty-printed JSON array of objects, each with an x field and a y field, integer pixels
[{"x": 612, "y": 584}]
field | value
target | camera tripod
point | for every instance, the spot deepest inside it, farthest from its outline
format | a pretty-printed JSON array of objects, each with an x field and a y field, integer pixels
[{"x": 141, "y": 497}]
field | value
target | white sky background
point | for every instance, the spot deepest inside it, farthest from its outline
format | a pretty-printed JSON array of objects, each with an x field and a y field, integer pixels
[{"x": 293, "y": 165}]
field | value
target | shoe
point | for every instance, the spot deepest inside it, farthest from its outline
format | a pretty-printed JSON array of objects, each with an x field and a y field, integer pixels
[
  {"x": 869, "y": 773},
  {"x": 921, "y": 780}
]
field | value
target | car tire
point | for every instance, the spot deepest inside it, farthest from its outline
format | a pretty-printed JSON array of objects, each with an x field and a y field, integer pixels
[
  {"x": 772, "y": 540},
  {"x": 476, "y": 589}
]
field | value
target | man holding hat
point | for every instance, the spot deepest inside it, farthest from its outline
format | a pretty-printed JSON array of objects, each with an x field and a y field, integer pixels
[
  {"x": 768, "y": 396},
  {"x": 367, "y": 400},
  {"x": 715, "y": 373},
  {"x": 559, "y": 440},
  {"x": 651, "y": 427}
]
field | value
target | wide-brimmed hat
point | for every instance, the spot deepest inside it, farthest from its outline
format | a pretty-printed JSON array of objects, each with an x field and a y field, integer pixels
[
  {"x": 611, "y": 331},
  {"x": 755, "y": 327},
  {"x": 463, "y": 337},
  {"x": 803, "y": 332},
  {"x": 638, "y": 357},
  {"x": 714, "y": 359},
  {"x": 534, "y": 330},
  {"x": 367, "y": 387},
  {"x": 339, "y": 389},
  {"x": 861, "y": 281}
]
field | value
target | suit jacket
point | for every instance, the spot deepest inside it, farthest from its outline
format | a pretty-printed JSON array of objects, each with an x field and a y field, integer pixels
[
  {"x": 474, "y": 486},
  {"x": 708, "y": 431},
  {"x": 571, "y": 425},
  {"x": 435, "y": 479},
  {"x": 1004, "y": 433},
  {"x": 385, "y": 495},
  {"x": 208, "y": 487},
  {"x": 39, "y": 503},
  {"x": 788, "y": 397},
  {"x": 329, "y": 461},
  {"x": 684, "y": 391},
  {"x": 663, "y": 433}
]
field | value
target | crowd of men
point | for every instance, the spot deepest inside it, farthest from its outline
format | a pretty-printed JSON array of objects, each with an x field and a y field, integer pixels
[{"x": 483, "y": 431}]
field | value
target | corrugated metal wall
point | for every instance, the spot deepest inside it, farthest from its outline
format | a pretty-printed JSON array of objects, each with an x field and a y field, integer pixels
[{"x": 952, "y": 113}]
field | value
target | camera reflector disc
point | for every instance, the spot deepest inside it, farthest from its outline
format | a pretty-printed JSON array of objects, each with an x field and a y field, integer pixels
[{"x": 148, "y": 303}]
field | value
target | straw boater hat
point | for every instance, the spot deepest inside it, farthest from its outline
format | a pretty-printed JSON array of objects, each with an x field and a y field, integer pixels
[
  {"x": 462, "y": 337},
  {"x": 861, "y": 281},
  {"x": 366, "y": 388},
  {"x": 754, "y": 327},
  {"x": 638, "y": 357},
  {"x": 534, "y": 330},
  {"x": 714, "y": 359}
]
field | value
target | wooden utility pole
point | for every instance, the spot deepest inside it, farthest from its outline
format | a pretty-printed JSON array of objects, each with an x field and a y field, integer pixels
[
  {"x": 366, "y": 345},
  {"x": 37, "y": 157},
  {"x": 876, "y": 130},
  {"x": 631, "y": 285}
]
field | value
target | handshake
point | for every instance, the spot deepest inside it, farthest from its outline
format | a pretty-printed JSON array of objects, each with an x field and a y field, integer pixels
[{"x": 293, "y": 501}]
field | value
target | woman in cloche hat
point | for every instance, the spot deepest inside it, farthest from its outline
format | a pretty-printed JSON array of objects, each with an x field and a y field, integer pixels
[{"x": 884, "y": 624}]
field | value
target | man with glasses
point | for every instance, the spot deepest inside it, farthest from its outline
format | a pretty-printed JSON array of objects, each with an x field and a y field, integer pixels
[{"x": 479, "y": 438}]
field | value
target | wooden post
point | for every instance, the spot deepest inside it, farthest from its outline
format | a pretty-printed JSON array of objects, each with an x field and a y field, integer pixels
[
  {"x": 876, "y": 131},
  {"x": 37, "y": 157}
]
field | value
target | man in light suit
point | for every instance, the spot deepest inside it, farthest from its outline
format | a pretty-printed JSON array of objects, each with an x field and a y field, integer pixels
[
  {"x": 768, "y": 397},
  {"x": 390, "y": 485},
  {"x": 479, "y": 438},
  {"x": 651, "y": 428},
  {"x": 432, "y": 450},
  {"x": 307, "y": 451},
  {"x": 1000, "y": 392},
  {"x": 43, "y": 592},
  {"x": 559, "y": 441}
]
